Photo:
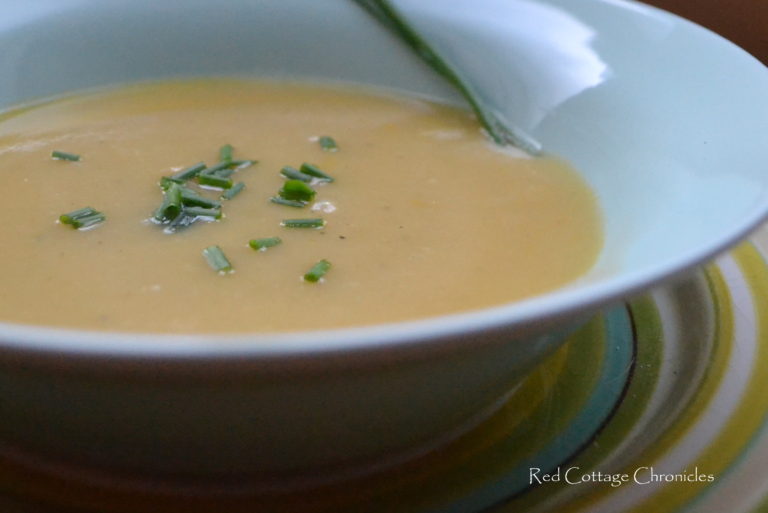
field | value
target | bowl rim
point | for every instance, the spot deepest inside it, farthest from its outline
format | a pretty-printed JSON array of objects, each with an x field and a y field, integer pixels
[
  {"x": 531, "y": 315},
  {"x": 536, "y": 314}
]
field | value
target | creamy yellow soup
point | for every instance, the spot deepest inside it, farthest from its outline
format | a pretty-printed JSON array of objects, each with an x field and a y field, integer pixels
[{"x": 425, "y": 217}]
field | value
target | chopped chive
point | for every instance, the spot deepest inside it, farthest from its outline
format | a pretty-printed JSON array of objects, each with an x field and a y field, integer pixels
[
  {"x": 188, "y": 173},
  {"x": 75, "y": 214},
  {"x": 294, "y": 174},
  {"x": 303, "y": 223},
  {"x": 317, "y": 271},
  {"x": 225, "y": 153},
  {"x": 202, "y": 212},
  {"x": 82, "y": 218},
  {"x": 88, "y": 221},
  {"x": 170, "y": 208},
  {"x": 242, "y": 164},
  {"x": 263, "y": 244},
  {"x": 63, "y": 155},
  {"x": 166, "y": 181},
  {"x": 181, "y": 221},
  {"x": 314, "y": 171},
  {"x": 234, "y": 191},
  {"x": 190, "y": 215},
  {"x": 223, "y": 173},
  {"x": 228, "y": 171},
  {"x": 227, "y": 168},
  {"x": 190, "y": 198},
  {"x": 217, "y": 260},
  {"x": 296, "y": 190},
  {"x": 327, "y": 143},
  {"x": 288, "y": 203},
  {"x": 213, "y": 180},
  {"x": 218, "y": 168}
]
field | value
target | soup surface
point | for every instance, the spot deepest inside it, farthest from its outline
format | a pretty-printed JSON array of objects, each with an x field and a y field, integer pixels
[{"x": 425, "y": 217}]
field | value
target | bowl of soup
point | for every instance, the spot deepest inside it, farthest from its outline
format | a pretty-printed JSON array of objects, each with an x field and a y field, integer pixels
[{"x": 265, "y": 241}]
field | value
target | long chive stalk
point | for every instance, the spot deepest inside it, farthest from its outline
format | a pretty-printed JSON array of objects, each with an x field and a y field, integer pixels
[
  {"x": 317, "y": 271},
  {"x": 391, "y": 18}
]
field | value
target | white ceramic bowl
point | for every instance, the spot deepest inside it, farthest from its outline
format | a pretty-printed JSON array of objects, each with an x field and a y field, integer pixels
[{"x": 667, "y": 121}]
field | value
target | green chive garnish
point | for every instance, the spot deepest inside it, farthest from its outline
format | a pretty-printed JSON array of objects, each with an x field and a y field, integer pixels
[
  {"x": 234, "y": 191},
  {"x": 391, "y": 18},
  {"x": 218, "y": 174},
  {"x": 294, "y": 174},
  {"x": 63, "y": 155},
  {"x": 219, "y": 168},
  {"x": 318, "y": 271},
  {"x": 171, "y": 206},
  {"x": 190, "y": 198},
  {"x": 263, "y": 244},
  {"x": 214, "y": 213},
  {"x": 288, "y": 203},
  {"x": 82, "y": 218},
  {"x": 213, "y": 180},
  {"x": 327, "y": 143},
  {"x": 182, "y": 221},
  {"x": 188, "y": 173},
  {"x": 316, "y": 172},
  {"x": 296, "y": 190},
  {"x": 242, "y": 164},
  {"x": 166, "y": 181},
  {"x": 303, "y": 223},
  {"x": 217, "y": 260},
  {"x": 225, "y": 153}
]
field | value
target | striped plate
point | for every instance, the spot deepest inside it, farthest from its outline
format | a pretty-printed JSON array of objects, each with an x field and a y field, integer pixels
[{"x": 658, "y": 405}]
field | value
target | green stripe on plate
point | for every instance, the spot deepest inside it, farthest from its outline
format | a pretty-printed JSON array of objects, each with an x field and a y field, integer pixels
[
  {"x": 574, "y": 433},
  {"x": 750, "y": 414},
  {"x": 508, "y": 438},
  {"x": 649, "y": 346},
  {"x": 750, "y": 419}
]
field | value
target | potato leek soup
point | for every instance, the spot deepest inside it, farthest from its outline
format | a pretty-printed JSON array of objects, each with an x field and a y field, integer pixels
[{"x": 219, "y": 206}]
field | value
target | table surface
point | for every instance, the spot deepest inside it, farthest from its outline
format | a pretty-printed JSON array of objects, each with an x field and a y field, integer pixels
[{"x": 742, "y": 21}]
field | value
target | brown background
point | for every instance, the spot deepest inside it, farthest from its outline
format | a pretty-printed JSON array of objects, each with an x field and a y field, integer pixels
[{"x": 745, "y": 22}]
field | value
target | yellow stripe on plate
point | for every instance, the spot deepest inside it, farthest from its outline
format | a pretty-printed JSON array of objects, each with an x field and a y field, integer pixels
[{"x": 749, "y": 416}]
